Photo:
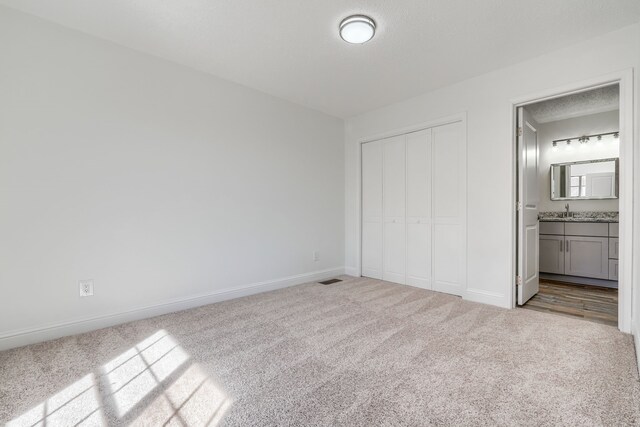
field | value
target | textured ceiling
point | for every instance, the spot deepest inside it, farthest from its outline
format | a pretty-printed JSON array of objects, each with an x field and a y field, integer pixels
[
  {"x": 291, "y": 48},
  {"x": 579, "y": 104}
]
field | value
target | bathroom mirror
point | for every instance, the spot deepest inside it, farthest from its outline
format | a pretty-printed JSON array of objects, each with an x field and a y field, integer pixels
[{"x": 585, "y": 180}]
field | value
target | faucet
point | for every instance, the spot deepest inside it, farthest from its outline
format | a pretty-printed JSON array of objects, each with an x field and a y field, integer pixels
[{"x": 566, "y": 208}]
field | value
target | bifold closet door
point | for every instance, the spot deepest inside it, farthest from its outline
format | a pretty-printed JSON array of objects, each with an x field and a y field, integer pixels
[
  {"x": 449, "y": 208},
  {"x": 372, "y": 209},
  {"x": 419, "y": 209},
  {"x": 393, "y": 202}
]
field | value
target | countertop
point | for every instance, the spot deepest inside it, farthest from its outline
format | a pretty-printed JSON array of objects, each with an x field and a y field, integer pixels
[
  {"x": 587, "y": 216},
  {"x": 572, "y": 219}
]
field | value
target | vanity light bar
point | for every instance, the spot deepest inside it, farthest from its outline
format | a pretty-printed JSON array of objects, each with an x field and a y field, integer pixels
[{"x": 585, "y": 138}]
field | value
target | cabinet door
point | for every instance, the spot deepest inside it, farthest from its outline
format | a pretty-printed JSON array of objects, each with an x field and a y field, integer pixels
[
  {"x": 587, "y": 256},
  {"x": 551, "y": 254},
  {"x": 372, "y": 209},
  {"x": 419, "y": 209},
  {"x": 394, "y": 169}
]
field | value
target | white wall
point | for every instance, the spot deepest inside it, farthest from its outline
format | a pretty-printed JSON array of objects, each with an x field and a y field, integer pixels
[
  {"x": 635, "y": 312},
  {"x": 578, "y": 126},
  {"x": 158, "y": 182},
  {"x": 487, "y": 99}
]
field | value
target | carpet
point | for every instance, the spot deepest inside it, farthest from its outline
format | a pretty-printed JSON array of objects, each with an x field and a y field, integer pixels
[{"x": 360, "y": 352}]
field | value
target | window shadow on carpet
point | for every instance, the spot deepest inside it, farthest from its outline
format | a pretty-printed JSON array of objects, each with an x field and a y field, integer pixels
[{"x": 154, "y": 382}]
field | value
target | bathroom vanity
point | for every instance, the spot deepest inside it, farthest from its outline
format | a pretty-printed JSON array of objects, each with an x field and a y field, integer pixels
[{"x": 582, "y": 247}]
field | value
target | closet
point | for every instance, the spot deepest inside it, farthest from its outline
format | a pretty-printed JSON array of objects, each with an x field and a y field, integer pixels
[{"x": 414, "y": 208}]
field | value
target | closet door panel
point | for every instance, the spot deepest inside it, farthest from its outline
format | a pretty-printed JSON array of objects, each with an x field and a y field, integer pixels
[
  {"x": 394, "y": 248},
  {"x": 394, "y": 188},
  {"x": 449, "y": 208},
  {"x": 372, "y": 209},
  {"x": 446, "y": 177},
  {"x": 394, "y": 177},
  {"x": 419, "y": 255},
  {"x": 419, "y": 174},
  {"x": 372, "y": 250},
  {"x": 419, "y": 209},
  {"x": 446, "y": 255}
]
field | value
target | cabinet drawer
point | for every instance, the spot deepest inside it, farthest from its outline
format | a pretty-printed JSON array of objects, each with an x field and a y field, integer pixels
[
  {"x": 614, "y": 248},
  {"x": 586, "y": 229},
  {"x": 556, "y": 228},
  {"x": 613, "y": 269},
  {"x": 613, "y": 229}
]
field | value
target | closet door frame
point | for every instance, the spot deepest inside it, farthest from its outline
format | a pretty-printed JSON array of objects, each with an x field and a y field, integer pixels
[{"x": 462, "y": 118}]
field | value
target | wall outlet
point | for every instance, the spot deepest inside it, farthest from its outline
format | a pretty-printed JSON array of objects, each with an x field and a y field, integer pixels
[
  {"x": 316, "y": 256},
  {"x": 86, "y": 288}
]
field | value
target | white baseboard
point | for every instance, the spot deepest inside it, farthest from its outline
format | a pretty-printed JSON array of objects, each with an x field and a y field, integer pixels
[
  {"x": 18, "y": 338},
  {"x": 486, "y": 297},
  {"x": 636, "y": 341}
]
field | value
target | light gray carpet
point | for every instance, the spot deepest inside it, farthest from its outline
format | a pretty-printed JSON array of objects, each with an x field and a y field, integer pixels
[{"x": 357, "y": 353}]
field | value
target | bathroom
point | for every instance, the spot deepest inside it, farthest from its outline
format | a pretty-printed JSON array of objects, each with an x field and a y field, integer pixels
[{"x": 574, "y": 146}]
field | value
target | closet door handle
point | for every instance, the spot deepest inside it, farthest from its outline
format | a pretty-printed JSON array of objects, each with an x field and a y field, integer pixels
[{"x": 561, "y": 245}]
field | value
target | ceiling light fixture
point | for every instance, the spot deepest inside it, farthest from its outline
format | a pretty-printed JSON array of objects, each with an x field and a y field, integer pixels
[{"x": 357, "y": 29}]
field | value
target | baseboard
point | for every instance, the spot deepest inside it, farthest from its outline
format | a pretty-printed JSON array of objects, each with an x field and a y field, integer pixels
[
  {"x": 636, "y": 341},
  {"x": 18, "y": 338},
  {"x": 486, "y": 297}
]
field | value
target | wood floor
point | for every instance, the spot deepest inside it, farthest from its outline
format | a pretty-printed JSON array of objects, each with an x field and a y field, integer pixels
[{"x": 591, "y": 303}]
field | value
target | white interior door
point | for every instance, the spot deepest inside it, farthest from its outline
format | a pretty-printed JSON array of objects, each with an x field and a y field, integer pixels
[
  {"x": 393, "y": 202},
  {"x": 419, "y": 209},
  {"x": 372, "y": 209},
  {"x": 528, "y": 206}
]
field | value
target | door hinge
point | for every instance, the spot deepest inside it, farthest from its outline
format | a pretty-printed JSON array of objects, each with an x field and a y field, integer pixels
[
  {"x": 518, "y": 280},
  {"x": 518, "y": 206},
  {"x": 519, "y": 131}
]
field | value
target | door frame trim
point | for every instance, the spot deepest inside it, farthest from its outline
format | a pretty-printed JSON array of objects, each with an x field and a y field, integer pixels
[
  {"x": 454, "y": 118},
  {"x": 624, "y": 79}
]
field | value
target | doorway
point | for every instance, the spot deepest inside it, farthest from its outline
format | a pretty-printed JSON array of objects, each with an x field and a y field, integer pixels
[{"x": 572, "y": 190}]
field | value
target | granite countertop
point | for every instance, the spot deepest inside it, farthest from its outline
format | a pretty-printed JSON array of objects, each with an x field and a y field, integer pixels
[{"x": 578, "y": 217}]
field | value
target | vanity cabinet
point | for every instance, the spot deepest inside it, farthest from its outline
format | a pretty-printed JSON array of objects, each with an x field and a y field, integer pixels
[{"x": 579, "y": 249}]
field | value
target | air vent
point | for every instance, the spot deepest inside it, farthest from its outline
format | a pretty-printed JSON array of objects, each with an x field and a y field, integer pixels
[{"x": 330, "y": 281}]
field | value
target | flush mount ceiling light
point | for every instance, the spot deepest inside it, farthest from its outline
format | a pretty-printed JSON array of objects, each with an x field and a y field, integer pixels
[{"x": 357, "y": 29}]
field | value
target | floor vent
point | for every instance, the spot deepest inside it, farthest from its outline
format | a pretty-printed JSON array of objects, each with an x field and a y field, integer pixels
[{"x": 330, "y": 281}]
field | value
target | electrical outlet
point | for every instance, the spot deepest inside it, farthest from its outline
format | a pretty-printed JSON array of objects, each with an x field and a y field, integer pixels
[
  {"x": 316, "y": 256},
  {"x": 86, "y": 288}
]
